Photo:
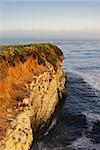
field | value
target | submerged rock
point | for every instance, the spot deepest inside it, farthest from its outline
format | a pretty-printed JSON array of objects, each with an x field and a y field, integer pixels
[{"x": 31, "y": 84}]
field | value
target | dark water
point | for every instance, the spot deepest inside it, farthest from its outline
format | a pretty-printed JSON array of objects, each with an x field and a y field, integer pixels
[{"x": 76, "y": 125}]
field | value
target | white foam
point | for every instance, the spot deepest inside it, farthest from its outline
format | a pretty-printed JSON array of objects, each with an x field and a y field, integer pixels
[
  {"x": 51, "y": 126},
  {"x": 92, "y": 79},
  {"x": 92, "y": 116},
  {"x": 84, "y": 143},
  {"x": 41, "y": 147}
]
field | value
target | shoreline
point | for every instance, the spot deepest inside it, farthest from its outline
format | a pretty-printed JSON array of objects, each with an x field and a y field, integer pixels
[{"x": 73, "y": 124}]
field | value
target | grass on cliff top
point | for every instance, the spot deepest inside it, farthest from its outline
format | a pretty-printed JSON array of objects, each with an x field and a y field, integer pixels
[
  {"x": 14, "y": 46},
  {"x": 40, "y": 51}
]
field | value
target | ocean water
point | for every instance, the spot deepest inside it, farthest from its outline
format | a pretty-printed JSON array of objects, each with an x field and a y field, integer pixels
[
  {"x": 76, "y": 125},
  {"x": 83, "y": 57}
]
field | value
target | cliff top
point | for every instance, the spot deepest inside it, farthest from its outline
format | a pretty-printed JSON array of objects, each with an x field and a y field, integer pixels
[{"x": 40, "y": 51}]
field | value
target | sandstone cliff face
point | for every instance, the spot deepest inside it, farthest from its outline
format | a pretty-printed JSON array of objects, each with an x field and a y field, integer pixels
[{"x": 31, "y": 84}]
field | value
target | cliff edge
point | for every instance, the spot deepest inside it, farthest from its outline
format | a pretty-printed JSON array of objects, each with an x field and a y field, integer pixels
[{"x": 31, "y": 83}]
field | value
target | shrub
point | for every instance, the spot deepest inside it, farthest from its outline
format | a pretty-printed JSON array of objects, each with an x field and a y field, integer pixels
[
  {"x": 41, "y": 61},
  {"x": 58, "y": 52},
  {"x": 48, "y": 50},
  {"x": 52, "y": 58}
]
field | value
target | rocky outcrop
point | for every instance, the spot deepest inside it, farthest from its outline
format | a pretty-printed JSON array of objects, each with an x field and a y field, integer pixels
[{"x": 31, "y": 84}]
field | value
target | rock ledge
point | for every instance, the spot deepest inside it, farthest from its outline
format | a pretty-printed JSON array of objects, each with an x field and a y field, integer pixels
[{"x": 31, "y": 83}]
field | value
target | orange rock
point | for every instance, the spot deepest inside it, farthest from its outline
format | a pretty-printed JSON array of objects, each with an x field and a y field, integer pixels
[{"x": 29, "y": 83}]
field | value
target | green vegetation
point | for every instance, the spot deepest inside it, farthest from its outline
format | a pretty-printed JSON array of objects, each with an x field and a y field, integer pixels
[
  {"x": 52, "y": 58},
  {"x": 39, "y": 51},
  {"x": 48, "y": 50},
  {"x": 58, "y": 52},
  {"x": 41, "y": 61}
]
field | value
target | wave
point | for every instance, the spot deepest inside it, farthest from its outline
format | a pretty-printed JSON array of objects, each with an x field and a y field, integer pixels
[
  {"x": 92, "y": 116},
  {"x": 76, "y": 125},
  {"x": 93, "y": 79},
  {"x": 51, "y": 126},
  {"x": 84, "y": 143}
]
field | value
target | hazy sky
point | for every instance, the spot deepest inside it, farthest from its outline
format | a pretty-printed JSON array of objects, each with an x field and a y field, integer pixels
[{"x": 58, "y": 15}]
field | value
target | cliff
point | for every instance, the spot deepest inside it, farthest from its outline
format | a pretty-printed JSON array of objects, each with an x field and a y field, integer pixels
[{"x": 31, "y": 84}]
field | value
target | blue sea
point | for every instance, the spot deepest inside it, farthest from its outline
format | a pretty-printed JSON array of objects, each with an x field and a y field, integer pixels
[{"x": 76, "y": 125}]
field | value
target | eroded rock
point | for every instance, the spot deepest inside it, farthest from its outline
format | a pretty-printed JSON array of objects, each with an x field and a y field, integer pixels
[{"x": 31, "y": 83}]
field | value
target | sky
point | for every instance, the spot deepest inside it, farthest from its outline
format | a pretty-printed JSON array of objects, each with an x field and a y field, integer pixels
[{"x": 67, "y": 18}]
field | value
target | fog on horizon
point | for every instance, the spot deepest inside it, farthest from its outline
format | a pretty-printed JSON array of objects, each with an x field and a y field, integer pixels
[
  {"x": 51, "y": 20},
  {"x": 49, "y": 35}
]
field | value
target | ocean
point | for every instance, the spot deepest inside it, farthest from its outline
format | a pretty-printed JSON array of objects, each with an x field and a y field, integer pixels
[{"x": 76, "y": 125}]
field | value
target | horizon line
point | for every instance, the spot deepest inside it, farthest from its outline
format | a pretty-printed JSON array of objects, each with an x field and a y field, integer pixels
[{"x": 86, "y": 29}]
